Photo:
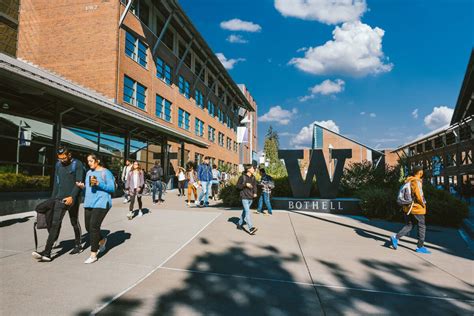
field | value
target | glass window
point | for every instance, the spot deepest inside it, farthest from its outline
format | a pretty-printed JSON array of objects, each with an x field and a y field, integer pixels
[
  {"x": 211, "y": 108},
  {"x": 221, "y": 139},
  {"x": 163, "y": 71},
  {"x": 141, "y": 96},
  {"x": 183, "y": 119},
  {"x": 199, "y": 127},
  {"x": 184, "y": 87},
  {"x": 163, "y": 108},
  {"x": 199, "y": 98},
  {"x": 128, "y": 90},
  {"x": 135, "y": 49},
  {"x": 211, "y": 133}
]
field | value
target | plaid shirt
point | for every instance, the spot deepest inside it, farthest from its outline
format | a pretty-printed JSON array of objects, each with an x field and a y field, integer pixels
[{"x": 267, "y": 184}]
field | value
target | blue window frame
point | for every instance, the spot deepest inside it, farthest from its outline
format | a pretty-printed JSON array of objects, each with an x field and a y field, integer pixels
[
  {"x": 163, "y": 71},
  {"x": 221, "y": 139},
  {"x": 199, "y": 98},
  {"x": 135, "y": 49},
  {"x": 134, "y": 93},
  {"x": 211, "y": 108},
  {"x": 198, "y": 127},
  {"x": 220, "y": 115},
  {"x": 163, "y": 108},
  {"x": 183, "y": 119}
]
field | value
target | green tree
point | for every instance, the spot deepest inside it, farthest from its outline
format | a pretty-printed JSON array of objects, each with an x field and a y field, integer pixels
[{"x": 270, "y": 148}]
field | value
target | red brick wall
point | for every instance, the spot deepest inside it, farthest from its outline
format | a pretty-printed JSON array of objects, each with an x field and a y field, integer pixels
[{"x": 75, "y": 39}]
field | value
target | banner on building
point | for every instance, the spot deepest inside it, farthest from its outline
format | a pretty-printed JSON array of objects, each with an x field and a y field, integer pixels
[{"x": 242, "y": 135}]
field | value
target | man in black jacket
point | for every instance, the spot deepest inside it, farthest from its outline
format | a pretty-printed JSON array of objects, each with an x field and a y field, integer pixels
[
  {"x": 248, "y": 191},
  {"x": 65, "y": 198},
  {"x": 156, "y": 175}
]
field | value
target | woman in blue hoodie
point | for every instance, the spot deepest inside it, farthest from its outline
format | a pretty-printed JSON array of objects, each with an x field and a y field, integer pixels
[{"x": 99, "y": 186}]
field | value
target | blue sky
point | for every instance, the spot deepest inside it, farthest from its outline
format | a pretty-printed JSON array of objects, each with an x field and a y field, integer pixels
[{"x": 381, "y": 71}]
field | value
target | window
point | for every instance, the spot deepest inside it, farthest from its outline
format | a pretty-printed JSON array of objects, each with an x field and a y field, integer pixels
[
  {"x": 198, "y": 158},
  {"x": 134, "y": 93},
  {"x": 221, "y": 139},
  {"x": 163, "y": 71},
  {"x": 229, "y": 143},
  {"x": 183, "y": 119},
  {"x": 135, "y": 49},
  {"x": 184, "y": 87},
  {"x": 163, "y": 108},
  {"x": 211, "y": 108},
  {"x": 198, "y": 127},
  {"x": 236, "y": 146},
  {"x": 211, "y": 133},
  {"x": 199, "y": 98},
  {"x": 220, "y": 115}
]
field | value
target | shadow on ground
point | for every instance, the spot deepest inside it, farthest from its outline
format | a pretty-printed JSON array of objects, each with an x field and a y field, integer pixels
[{"x": 14, "y": 221}]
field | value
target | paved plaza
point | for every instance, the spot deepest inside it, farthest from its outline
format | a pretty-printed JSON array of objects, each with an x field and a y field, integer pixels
[{"x": 177, "y": 260}]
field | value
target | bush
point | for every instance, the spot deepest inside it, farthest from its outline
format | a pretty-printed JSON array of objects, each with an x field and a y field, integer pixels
[
  {"x": 442, "y": 208},
  {"x": 11, "y": 182}
]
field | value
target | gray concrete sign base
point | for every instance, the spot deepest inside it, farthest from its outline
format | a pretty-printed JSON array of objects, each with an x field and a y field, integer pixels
[{"x": 193, "y": 261}]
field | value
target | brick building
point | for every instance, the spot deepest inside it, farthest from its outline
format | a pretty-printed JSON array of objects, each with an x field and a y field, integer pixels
[{"x": 148, "y": 58}]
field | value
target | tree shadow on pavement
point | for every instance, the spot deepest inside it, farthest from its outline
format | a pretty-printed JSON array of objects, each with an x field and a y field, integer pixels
[
  {"x": 14, "y": 221},
  {"x": 380, "y": 295},
  {"x": 232, "y": 282},
  {"x": 441, "y": 237}
]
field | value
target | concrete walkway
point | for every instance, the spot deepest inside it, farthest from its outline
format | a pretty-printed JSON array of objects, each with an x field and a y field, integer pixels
[{"x": 192, "y": 261}]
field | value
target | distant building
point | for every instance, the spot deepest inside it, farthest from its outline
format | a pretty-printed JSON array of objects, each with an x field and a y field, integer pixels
[{"x": 447, "y": 153}]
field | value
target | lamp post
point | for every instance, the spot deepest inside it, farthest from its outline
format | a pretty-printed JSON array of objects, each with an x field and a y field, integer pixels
[
  {"x": 248, "y": 119},
  {"x": 331, "y": 147}
]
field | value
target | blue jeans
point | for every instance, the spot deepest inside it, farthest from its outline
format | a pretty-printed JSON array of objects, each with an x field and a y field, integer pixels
[
  {"x": 245, "y": 217},
  {"x": 265, "y": 197},
  {"x": 157, "y": 185},
  {"x": 206, "y": 187}
]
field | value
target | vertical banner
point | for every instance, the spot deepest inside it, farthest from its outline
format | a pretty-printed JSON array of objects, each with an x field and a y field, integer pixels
[{"x": 242, "y": 135}]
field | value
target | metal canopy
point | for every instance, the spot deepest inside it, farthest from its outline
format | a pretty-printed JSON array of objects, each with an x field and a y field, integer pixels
[{"x": 36, "y": 93}]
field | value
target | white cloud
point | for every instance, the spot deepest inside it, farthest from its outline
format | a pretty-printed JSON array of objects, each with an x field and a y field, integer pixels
[
  {"x": 440, "y": 117},
  {"x": 305, "y": 136},
  {"x": 238, "y": 39},
  {"x": 326, "y": 87},
  {"x": 239, "y": 25},
  {"x": 372, "y": 115},
  {"x": 356, "y": 50},
  {"x": 278, "y": 114},
  {"x": 302, "y": 49},
  {"x": 228, "y": 63},
  {"x": 415, "y": 113},
  {"x": 362, "y": 113},
  {"x": 324, "y": 11},
  {"x": 286, "y": 134}
]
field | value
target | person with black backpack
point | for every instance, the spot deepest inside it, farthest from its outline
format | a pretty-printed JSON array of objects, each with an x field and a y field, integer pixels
[
  {"x": 413, "y": 202},
  {"x": 247, "y": 185},
  {"x": 156, "y": 175},
  {"x": 65, "y": 198}
]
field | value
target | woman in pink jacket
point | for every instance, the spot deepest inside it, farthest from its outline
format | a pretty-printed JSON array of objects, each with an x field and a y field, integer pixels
[{"x": 135, "y": 183}]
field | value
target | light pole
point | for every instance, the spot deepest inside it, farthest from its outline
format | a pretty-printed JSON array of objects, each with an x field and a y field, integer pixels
[
  {"x": 331, "y": 147},
  {"x": 248, "y": 119}
]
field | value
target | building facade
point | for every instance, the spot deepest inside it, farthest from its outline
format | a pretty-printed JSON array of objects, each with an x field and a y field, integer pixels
[
  {"x": 9, "y": 26},
  {"x": 147, "y": 57}
]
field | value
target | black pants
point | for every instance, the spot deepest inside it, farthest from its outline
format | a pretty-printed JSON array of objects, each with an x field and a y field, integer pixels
[
  {"x": 132, "y": 201},
  {"x": 215, "y": 189},
  {"x": 93, "y": 219},
  {"x": 59, "y": 209},
  {"x": 410, "y": 221},
  {"x": 181, "y": 187}
]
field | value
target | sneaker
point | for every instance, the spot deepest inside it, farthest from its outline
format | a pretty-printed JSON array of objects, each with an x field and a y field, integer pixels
[
  {"x": 265, "y": 213},
  {"x": 423, "y": 250},
  {"x": 257, "y": 212},
  {"x": 77, "y": 250},
  {"x": 140, "y": 213},
  {"x": 102, "y": 247},
  {"x": 41, "y": 256},
  {"x": 125, "y": 201},
  {"x": 197, "y": 203},
  {"x": 253, "y": 230},
  {"x": 394, "y": 241},
  {"x": 90, "y": 260},
  {"x": 130, "y": 215},
  {"x": 154, "y": 202},
  {"x": 240, "y": 227}
]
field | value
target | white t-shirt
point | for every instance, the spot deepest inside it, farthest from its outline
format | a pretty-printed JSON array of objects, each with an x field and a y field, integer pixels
[{"x": 181, "y": 176}]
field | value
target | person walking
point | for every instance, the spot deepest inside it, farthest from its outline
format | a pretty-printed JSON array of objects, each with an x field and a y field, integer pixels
[
  {"x": 414, "y": 213},
  {"x": 181, "y": 175},
  {"x": 156, "y": 176},
  {"x": 65, "y": 198},
  {"x": 125, "y": 171},
  {"x": 135, "y": 184},
  {"x": 248, "y": 191},
  {"x": 216, "y": 175},
  {"x": 99, "y": 186},
  {"x": 191, "y": 177},
  {"x": 204, "y": 174},
  {"x": 267, "y": 184}
]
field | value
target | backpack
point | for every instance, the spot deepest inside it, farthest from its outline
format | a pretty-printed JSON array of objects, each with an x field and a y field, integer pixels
[
  {"x": 405, "y": 197},
  {"x": 73, "y": 168}
]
